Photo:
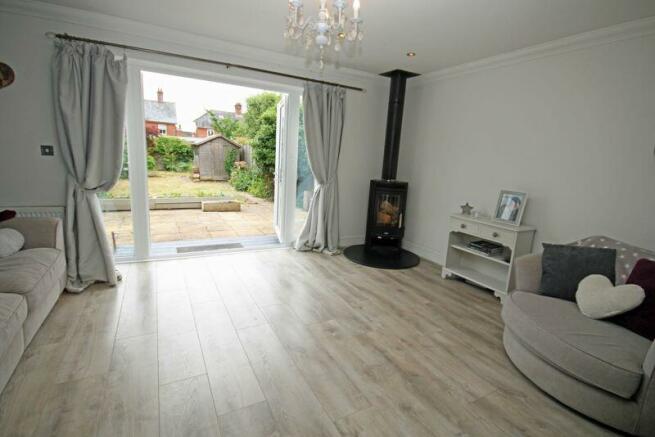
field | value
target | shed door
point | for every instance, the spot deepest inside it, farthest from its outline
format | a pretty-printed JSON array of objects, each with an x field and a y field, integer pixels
[{"x": 215, "y": 147}]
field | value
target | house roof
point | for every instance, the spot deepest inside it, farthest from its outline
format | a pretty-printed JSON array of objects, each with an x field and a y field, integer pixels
[
  {"x": 190, "y": 139},
  {"x": 205, "y": 121},
  {"x": 212, "y": 138},
  {"x": 162, "y": 112}
]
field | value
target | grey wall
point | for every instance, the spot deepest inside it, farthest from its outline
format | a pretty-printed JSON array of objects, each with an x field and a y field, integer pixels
[
  {"x": 574, "y": 130},
  {"x": 26, "y": 117}
]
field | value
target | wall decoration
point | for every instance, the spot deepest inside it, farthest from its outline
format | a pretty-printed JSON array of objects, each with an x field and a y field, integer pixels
[
  {"x": 6, "y": 75},
  {"x": 466, "y": 209},
  {"x": 510, "y": 207}
]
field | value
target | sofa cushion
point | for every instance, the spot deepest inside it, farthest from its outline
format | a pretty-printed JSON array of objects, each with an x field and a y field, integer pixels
[
  {"x": 11, "y": 241},
  {"x": 13, "y": 312},
  {"x": 593, "y": 351},
  {"x": 564, "y": 266},
  {"x": 23, "y": 271},
  {"x": 626, "y": 255},
  {"x": 32, "y": 273},
  {"x": 598, "y": 298},
  {"x": 641, "y": 320}
]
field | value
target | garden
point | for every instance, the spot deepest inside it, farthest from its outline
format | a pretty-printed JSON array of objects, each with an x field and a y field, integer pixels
[
  {"x": 171, "y": 183},
  {"x": 170, "y": 159}
]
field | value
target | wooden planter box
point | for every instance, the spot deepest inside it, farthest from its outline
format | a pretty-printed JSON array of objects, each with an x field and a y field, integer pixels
[{"x": 111, "y": 205}]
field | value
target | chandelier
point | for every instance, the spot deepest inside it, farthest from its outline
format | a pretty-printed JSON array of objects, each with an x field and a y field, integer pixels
[{"x": 327, "y": 28}]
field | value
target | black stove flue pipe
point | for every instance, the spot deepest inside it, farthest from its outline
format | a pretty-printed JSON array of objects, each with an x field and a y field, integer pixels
[{"x": 394, "y": 121}]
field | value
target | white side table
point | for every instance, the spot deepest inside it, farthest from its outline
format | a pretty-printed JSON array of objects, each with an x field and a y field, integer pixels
[{"x": 492, "y": 272}]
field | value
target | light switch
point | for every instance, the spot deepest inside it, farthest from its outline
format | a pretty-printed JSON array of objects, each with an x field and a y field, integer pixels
[{"x": 47, "y": 150}]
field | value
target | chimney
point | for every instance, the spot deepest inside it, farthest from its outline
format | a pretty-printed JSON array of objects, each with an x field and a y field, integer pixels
[
  {"x": 394, "y": 121},
  {"x": 237, "y": 109},
  {"x": 160, "y": 95},
  {"x": 387, "y": 197}
]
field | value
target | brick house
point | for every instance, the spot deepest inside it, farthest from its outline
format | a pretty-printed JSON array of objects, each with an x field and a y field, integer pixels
[
  {"x": 203, "y": 123},
  {"x": 160, "y": 116}
]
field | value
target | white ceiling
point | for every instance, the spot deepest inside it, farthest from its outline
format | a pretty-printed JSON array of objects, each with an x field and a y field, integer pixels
[{"x": 443, "y": 33}]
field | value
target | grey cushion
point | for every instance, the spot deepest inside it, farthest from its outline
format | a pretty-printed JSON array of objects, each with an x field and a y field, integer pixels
[
  {"x": 564, "y": 266},
  {"x": 591, "y": 401},
  {"x": 13, "y": 312},
  {"x": 38, "y": 275},
  {"x": 595, "y": 352},
  {"x": 23, "y": 271},
  {"x": 626, "y": 255}
]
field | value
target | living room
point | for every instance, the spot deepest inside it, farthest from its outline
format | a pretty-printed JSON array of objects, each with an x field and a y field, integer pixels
[{"x": 476, "y": 255}]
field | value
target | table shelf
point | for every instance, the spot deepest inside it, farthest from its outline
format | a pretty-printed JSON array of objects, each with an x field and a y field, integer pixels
[
  {"x": 491, "y": 272},
  {"x": 496, "y": 259}
]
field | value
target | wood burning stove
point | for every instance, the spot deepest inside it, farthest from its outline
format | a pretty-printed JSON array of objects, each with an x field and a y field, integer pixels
[
  {"x": 385, "y": 225},
  {"x": 386, "y": 210}
]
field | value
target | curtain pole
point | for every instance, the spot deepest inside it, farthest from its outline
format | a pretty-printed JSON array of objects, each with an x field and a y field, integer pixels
[{"x": 227, "y": 65}]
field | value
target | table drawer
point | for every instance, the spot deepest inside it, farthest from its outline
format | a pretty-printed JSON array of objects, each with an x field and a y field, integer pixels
[
  {"x": 458, "y": 225},
  {"x": 506, "y": 238}
]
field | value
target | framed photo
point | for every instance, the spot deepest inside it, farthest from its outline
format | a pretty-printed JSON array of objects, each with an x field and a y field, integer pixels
[{"x": 510, "y": 207}]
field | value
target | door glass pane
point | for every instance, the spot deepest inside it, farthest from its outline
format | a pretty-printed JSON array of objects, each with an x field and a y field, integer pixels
[
  {"x": 117, "y": 214},
  {"x": 387, "y": 207},
  {"x": 304, "y": 179}
]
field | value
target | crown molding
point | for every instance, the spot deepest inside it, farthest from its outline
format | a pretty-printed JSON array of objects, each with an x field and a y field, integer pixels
[
  {"x": 125, "y": 30},
  {"x": 629, "y": 30}
]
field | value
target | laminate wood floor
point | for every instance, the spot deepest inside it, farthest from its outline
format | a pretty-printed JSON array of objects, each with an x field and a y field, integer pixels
[{"x": 276, "y": 343}]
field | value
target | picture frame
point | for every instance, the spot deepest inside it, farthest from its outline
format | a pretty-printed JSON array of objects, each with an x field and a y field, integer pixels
[{"x": 510, "y": 207}]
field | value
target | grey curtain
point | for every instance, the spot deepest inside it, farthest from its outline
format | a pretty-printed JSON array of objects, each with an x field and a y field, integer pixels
[
  {"x": 90, "y": 88},
  {"x": 324, "y": 116}
]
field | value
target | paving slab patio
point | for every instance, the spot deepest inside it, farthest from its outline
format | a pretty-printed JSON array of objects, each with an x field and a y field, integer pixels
[{"x": 254, "y": 219}]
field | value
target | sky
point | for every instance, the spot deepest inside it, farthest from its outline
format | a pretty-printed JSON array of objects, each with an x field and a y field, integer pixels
[{"x": 192, "y": 96}]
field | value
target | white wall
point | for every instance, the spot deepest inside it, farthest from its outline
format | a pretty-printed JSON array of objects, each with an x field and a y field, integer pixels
[
  {"x": 26, "y": 117},
  {"x": 575, "y": 130}
]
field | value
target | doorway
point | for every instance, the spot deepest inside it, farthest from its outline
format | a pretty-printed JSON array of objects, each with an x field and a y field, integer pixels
[{"x": 209, "y": 164}]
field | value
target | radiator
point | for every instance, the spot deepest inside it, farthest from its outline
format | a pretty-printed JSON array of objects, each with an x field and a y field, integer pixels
[{"x": 37, "y": 211}]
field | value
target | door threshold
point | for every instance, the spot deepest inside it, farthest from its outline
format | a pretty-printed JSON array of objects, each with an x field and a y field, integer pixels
[{"x": 196, "y": 248}]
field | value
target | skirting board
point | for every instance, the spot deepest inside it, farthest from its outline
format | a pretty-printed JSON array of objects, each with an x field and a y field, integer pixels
[
  {"x": 350, "y": 240},
  {"x": 424, "y": 251}
]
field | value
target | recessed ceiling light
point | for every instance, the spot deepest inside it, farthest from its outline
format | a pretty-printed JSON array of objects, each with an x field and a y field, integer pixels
[{"x": 411, "y": 54}]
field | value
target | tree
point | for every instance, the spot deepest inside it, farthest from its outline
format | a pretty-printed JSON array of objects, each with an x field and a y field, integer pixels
[
  {"x": 175, "y": 153},
  {"x": 260, "y": 123},
  {"x": 230, "y": 128}
]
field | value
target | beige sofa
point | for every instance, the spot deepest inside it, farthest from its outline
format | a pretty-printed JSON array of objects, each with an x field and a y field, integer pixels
[
  {"x": 31, "y": 281},
  {"x": 597, "y": 368}
]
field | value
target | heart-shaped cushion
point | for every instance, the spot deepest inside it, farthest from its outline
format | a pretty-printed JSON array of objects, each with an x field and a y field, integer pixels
[{"x": 598, "y": 298}]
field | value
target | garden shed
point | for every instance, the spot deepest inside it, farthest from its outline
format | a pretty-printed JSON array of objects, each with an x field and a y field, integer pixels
[{"x": 209, "y": 158}]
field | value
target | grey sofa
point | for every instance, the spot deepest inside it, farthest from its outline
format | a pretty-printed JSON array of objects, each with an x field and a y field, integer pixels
[
  {"x": 597, "y": 368},
  {"x": 31, "y": 281}
]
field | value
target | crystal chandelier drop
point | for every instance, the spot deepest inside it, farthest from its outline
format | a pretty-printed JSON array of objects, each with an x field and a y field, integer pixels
[{"x": 328, "y": 28}]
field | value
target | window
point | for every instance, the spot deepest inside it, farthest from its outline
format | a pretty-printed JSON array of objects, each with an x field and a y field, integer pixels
[
  {"x": 161, "y": 128},
  {"x": 210, "y": 131}
]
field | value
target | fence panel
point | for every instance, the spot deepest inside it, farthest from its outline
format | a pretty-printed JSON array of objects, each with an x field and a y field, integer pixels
[{"x": 246, "y": 154}]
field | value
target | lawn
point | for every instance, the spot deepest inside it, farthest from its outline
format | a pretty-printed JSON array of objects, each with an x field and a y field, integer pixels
[{"x": 174, "y": 184}]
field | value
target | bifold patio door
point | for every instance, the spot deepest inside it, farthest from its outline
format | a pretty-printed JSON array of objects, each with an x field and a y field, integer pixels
[
  {"x": 286, "y": 167},
  {"x": 280, "y": 148},
  {"x": 144, "y": 224}
]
